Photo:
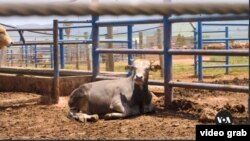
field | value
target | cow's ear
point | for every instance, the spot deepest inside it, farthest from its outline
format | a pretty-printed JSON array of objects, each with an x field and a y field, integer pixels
[
  {"x": 128, "y": 67},
  {"x": 152, "y": 68}
]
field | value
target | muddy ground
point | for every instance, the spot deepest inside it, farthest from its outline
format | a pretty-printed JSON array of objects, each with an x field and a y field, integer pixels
[{"x": 190, "y": 107}]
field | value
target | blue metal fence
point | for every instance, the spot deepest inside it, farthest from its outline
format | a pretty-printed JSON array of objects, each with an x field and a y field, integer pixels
[
  {"x": 225, "y": 40},
  {"x": 168, "y": 52}
]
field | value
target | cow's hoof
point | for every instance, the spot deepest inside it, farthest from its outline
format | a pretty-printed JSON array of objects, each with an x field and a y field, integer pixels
[
  {"x": 81, "y": 117},
  {"x": 94, "y": 118},
  {"x": 84, "y": 120}
]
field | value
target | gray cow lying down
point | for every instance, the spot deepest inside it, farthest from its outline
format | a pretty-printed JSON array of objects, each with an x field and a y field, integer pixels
[{"x": 113, "y": 99}]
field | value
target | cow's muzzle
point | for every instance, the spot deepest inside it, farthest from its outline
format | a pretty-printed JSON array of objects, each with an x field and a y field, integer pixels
[{"x": 139, "y": 78}]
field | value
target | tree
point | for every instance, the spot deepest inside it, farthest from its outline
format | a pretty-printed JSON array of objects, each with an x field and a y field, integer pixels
[
  {"x": 180, "y": 40},
  {"x": 183, "y": 41}
]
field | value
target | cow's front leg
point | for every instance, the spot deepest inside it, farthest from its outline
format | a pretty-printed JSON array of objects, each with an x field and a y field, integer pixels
[
  {"x": 115, "y": 116},
  {"x": 128, "y": 111},
  {"x": 120, "y": 110}
]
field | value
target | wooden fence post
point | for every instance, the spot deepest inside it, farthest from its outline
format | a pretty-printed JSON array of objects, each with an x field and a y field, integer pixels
[
  {"x": 87, "y": 51},
  {"x": 141, "y": 43},
  {"x": 109, "y": 57},
  {"x": 77, "y": 56}
]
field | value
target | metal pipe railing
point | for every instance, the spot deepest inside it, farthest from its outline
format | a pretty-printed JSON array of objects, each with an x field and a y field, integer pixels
[
  {"x": 224, "y": 24},
  {"x": 214, "y": 31},
  {"x": 113, "y": 41},
  {"x": 95, "y": 40},
  {"x": 29, "y": 29},
  {"x": 223, "y": 39},
  {"x": 215, "y": 17},
  {"x": 210, "y": 42},
  {"x": 133, "y": 51},
  {"x": 220, "y": 87},
  {"x": 195, "y": 56},
  {"x": 209, "y": 52},
  {"x": 130, "y": 42},
  {"x": 87, "y": 21},
  {"x": 215, "y": 61},
  {"x": 61, "y": 48},
  {"x": 51, "y": 42},
  {"x": 227, "y": 48},
  {"x": 200, "y": 45},
  {"x": 225, "y": 66},
  {"x": 61, "y": 41},
  {"x": 129, "y": 22},
  {"x": 86, "y": 26}
]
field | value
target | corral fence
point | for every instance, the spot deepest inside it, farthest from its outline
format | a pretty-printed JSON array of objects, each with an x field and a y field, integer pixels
[
  {"x": 198, "y": 32},
  {"x": 214, "y": 12}
]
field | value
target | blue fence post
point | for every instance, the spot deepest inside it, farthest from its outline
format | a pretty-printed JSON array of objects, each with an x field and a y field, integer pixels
[
  {"x": 35, "y": 57},
  {"x": 167, "y": 61},
  {"x": 227, "y": 47},
  {"x": 195, "y": 56},
  {"x": 200, "y": 72},
  {"x": 61, "y": 48},
  {"x": 51, "y": 56},
  {"x": 130, "y": 43},
  {"x": 26, "y": 56},
  {"x": 95, "y": 40}
]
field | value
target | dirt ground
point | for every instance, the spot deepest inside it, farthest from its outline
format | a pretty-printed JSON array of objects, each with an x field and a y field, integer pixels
[{"x": 190, "y": 107}]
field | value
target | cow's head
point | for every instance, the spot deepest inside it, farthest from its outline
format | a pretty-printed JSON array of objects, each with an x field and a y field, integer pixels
[
  {"x": 5, "y": 39},
  {"x": 143, "y": 67}
]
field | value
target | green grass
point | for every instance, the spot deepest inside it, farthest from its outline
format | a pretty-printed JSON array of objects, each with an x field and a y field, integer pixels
[
  {"x": 188, "y": 70},
  {"x": 232, "y": 70}
]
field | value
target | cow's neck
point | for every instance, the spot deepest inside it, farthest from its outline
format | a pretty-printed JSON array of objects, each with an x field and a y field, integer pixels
[
  {"x": 143, "y": 87},
  {"x": 139, "y": 94}
]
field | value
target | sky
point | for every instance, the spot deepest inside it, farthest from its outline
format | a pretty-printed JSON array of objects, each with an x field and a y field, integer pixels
[{"x": 17, "y": 21}]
